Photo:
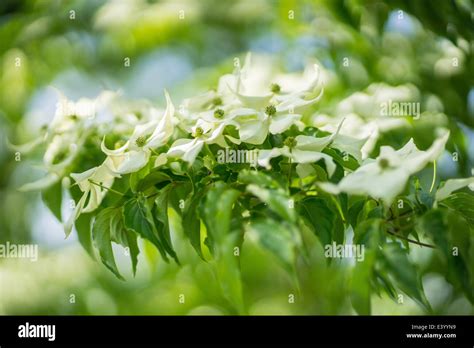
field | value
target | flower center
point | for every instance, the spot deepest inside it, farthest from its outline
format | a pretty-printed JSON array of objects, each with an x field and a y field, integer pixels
[
  {"x": 219, "y": 113},
  {"x": 384, "y": 163},
  {"x": 198, "y": 132},
  {"x": 141, "y": 141},
  {"x": 290, "y": 142},
  {"x": 275, "y": 88},
  {"x": 217, "y": 101},
  {"x": 270, "y": 110}
]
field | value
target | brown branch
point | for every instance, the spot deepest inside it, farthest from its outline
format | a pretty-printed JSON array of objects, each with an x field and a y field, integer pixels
[{"x": 411, "y": 240}]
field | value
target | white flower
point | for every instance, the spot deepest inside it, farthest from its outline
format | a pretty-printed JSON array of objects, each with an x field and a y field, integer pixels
[
  {"x": 204, "y": 133},
  {"x": 94, "y": 183},
  {"x": 135, "y": 153},
  {"x": 59, "y": 155},
  {"x": 64, "y": 136},
  {"x": 69, "y": 113},
  {"x": 453, "y": 185},
  {"x": 302, "y": 149},
  {"x": 256, "y": 88},
  {"x": 254, "y": 125},
  {"x": 366, "y": 131},
  {"x": 386, "y": 177}
]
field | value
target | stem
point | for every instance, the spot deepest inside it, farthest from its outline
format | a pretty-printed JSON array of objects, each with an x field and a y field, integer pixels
[
  {"x": 106, "y": 188},
  {"x": 434, "y": 176},
  {"x": 411, "y": 240},
  {"x": 289, "y": 171},
  {"x": 407, "y": 213},
  {"x": 154, "y": 152}
]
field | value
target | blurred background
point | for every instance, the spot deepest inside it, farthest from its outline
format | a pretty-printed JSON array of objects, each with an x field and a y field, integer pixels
[{"x": 412, "y": 50}]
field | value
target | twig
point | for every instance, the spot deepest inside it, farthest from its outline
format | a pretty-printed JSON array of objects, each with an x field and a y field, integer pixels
[
  {"x": 411, "y": 240},
  {"x": 106, "y": 188}
]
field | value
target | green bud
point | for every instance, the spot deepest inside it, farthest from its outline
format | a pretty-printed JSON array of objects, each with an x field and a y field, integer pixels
[
  {"x": 217, "y": 101},
  {"x": 270, "y": 110},
  {"x": 219, "y": 113},
  {"x": 198, "y": 132},
  {"x": 141, "y": 141},
  {"x": 290, "y": 142},
  {"x": 275, "y": 88},
  {"x": 383, "y": 163}
]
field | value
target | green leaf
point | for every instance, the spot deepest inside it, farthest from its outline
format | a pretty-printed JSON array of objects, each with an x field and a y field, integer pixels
[
  {"x": 463, "y": 203},
  {"x": 84, "y": 233},
  {"x": 152, "y": 179},
  {"x": 450, "y": 231},
  {"x": 278, "y": 238},
  {"x": 404, "y": 273},
  {"x": 138, "y": 217},
  {"x": 53, "y": 197},
  {"x": 318, "y": 214},
  {"x": 360, "y": 283},
  {"x": 269, "y": 192},
  {"x": 276, "y": 200},
  {"x": 258, "y": 178},
  {"x": 354, "y": 211},
  {"x": 101, "y": 232},
  {"x": 136, "y": 178},
  {"x": 218, "y": 210},
  {"x": 180, "y": 196},
  {"x": 217, "y": 216},
  {"x": 162, "y": 223},
  {"x": 192, "y": 224},
  {"x": 133, "y": 249},
  {"x": 367, "y": 233},
  {"x": 127, "y": 238}
]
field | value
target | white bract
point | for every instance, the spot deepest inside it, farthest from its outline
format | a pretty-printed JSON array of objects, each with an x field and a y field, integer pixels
[
  {"x": 452, "y": 185},
  {"x": 204, "y": 133},
  {"x": 386, "y": 176},
  {"x": 65, "y": 136},
  {"x": 94, "y": 183},
  {"x": 302, "y": 149},
  {"x": 135, "y": 153}
]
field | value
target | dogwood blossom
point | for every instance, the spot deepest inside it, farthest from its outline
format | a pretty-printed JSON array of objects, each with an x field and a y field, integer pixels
[
  {"x": 204, "y": 133},
  {"x": 94, "y": 183},
  {"x": 452, "y": 185},
  {"x": 386, "y": 176},
  {"x": 302, "y": 149},
  {"x": 135, "y": 153},
  {"x": 65, "y": 136}
]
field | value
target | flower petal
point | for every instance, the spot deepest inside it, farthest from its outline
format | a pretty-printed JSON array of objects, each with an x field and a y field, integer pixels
[
  {"x": 280, "y": 123},
  {"x": 453, "y": 185}
]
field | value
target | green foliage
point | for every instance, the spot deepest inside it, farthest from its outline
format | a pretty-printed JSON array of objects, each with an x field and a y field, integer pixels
[{"x": 301, "y": 192}]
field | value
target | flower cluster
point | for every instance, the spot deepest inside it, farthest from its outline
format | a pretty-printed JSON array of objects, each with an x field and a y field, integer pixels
[
  {"x": 252, "y": 156},
  {"x": 247, "y": 107}
]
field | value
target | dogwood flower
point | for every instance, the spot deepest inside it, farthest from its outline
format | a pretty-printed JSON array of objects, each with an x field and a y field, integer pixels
[
  {"x": 94, "y": 183},
  {"x": 204, "y": 133},
  {"x": 64, "y": 137},
  {"x": 255, "y": 87},
  {"x": 254, "y": 125},
  {"x": 302, "y": 149},
  {"x": 135, "y": 153},
  {"x": 386, "y": 176},
  {"x": 452, "y": 185},
  {"x": 366, "y": 131}
]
